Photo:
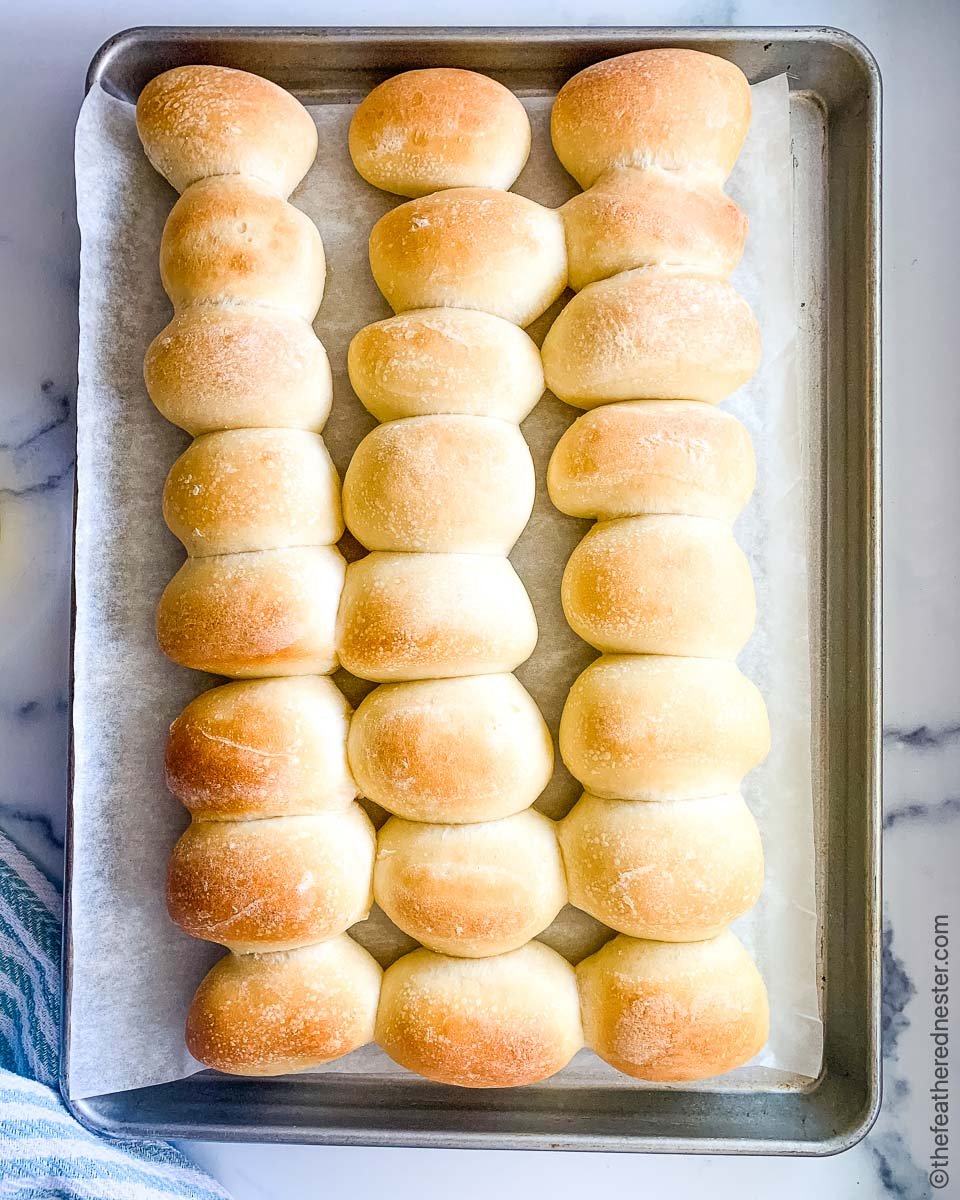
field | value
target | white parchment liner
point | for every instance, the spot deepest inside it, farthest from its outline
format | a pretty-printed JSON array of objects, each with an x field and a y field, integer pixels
[{"x": 134, "y": 972}]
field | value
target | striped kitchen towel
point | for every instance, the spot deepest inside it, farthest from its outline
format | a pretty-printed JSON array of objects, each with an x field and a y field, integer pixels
[{"x": 44, "y": 1152}]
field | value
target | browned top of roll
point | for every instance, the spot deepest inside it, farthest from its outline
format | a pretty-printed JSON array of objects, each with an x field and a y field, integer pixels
[
  {"x": 199, "y": 121},
  {"x": 233, "y": 241},
  {"x": 253, "y": 489},
  {"x": 636, "y": 218},
  {"x": 273, "y": 884},
  {"x": 243, "y": 367},
  {"x": 425, "y": 130},
  {"x": 653, "y": 456},
  {"x": 266, "y": 612},
  {"x": 678, "y": 109},
  {"x": 263, "y": 748},
  {"x": 475, "y": 248},
  {"x": 484, "y": 1022},
  {"x": 656, "y": 333},
  {"x": 269, "y": 1014},
  {"x": 668, "y": 1011}
]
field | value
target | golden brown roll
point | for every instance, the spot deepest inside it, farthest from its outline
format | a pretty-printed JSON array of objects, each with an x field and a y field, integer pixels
[
  {"x": 660, "y": 585},
  {"x": 482, "y": 1022},
  {"x": 232, "y": 241},
  {"x": 681, "y": 110},
  {"x": 273, "y": 884},
  {"x": 653, "y": 456},
  {"x": 672, "y": 1011},
  {"x": 432, "y": 616},
  {"x": 655, "y": 333},
  {"x": 638, "y": 218},
  {"x": 470, "y": 890},
  {"x": 264, "y": 748},
  {"x": 425, "y": 130},
  {"x": 671, "y": 870},
  {"x": 200, "y": 121},
  {"x": 451, "y": 750},
  {"x": 655, "y": 728},
  {"x": 253, "y": 489},
  {"x": 442, "y": 484},
  {"x": 269, "y": 612},
  {"x": 474, "y": 248},
  {"x": 270, "y": 1014},
  {"x": 239, "y": 367},
  {"x": 445, "y": 360}
]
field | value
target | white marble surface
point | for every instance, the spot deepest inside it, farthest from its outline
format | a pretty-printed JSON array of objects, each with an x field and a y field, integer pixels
[{"x": 43, "y": 53}]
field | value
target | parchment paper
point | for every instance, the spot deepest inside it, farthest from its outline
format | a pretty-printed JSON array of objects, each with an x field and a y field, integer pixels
[{"x": 133, "y": 971}]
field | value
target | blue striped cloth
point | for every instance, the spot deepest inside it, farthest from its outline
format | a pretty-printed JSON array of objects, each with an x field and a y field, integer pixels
[{"x": 44, "y": 1152}]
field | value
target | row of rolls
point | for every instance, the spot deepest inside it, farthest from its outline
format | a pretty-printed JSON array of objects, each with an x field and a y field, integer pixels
[{"x": 280, "y": 858}]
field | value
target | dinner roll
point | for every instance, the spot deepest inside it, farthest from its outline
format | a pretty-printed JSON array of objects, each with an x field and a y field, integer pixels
[
  {"x": 482, "y": 1022},
  {"x": 415, "y": 485},
  {"x": 253, "y": 489},
  {"x": 270, "y": 612},
  {"x": 439, "y": 128},
  {"x": 445, "y": 360},
  {"x": 265, "y": 748},
  {"x": 654, "y": 333},
  {"x": 653, "y": 456},
  {"x": 270, "y": 1014},
  {"x": 635, "y": 218},
  {"x": 660, "y": 585},
  {"x": 673, "y": 1011},
  {"x": 451, "y": 750},
  {"x": 470, "y": 890},
  {"x": 474, "y": 248},
  {"x": 681, "y": 110},
  {"x": 656, "y": 728},
  {"x": 671, "y": 870},
  {"x": 274, "y": 884},
  {"x": 232, "y": 241},
  {"x": 226, "y": 367},
  {"x": 430, "y": 616},
  {"x": 200, "y": 121}
]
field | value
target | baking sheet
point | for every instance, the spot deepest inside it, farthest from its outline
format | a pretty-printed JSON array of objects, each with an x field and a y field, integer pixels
[{"x": 133, "y": 971}]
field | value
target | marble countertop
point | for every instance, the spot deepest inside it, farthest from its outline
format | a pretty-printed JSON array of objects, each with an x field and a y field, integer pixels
[{"x": 43, "y": 55}]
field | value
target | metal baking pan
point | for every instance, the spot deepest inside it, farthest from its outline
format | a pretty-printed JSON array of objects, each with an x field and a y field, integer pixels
[{"x": 835, "y": 121}]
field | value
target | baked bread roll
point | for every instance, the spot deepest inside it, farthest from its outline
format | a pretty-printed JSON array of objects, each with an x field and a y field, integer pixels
[
  {"x": 445, "y": 360},
  {"x": 432, "y": 616},
  {"x": 470, "y": 890},
  {"x": 273, "y": 884},
  {"x": 660, "y": 585},
  {"x": 265, "y": 748},
  {"x": 201, "y": 121},
  {"x": 672, "y": 871},
  {"x": 223, "y": 367},
  {"x": 451, "y": 750},
  {"x": 681, "y": 110},
  {"x": 639, "y": 218},
  {"x": 656, "y": 333},
  {"x": 425, "y": 130},
  {"x": 489, "y": 1022},
  {"x": 231, "y": 240},
  {"x": 253, "y": 489},
  {"x": 655, "y": 728},
  {"x": 672, "y": 1012},
  {"x": 270, "y": 612},
  {"x": 440, "y": 484},
  {"x": 270, "y": 1014},
  {"x": 653, "y": 456},
  {"x": 474, "y": 248}
]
